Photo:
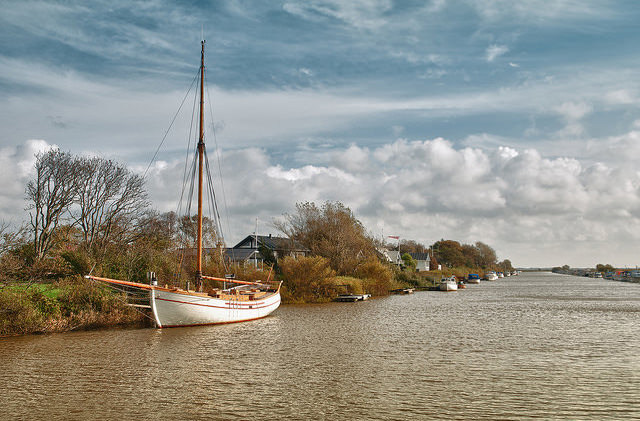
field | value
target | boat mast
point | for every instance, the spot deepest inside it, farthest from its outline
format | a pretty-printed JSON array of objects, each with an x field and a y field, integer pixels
[{"x": 200, "y": 165}]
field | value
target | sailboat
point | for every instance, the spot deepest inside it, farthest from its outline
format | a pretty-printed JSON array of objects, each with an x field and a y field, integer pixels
[{"x": 173, "y": 306}]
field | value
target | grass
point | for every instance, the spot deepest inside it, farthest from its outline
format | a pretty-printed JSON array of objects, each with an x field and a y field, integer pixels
[
  {"x": 75, "y": 304},
  {"x": 50, "y": 290}
]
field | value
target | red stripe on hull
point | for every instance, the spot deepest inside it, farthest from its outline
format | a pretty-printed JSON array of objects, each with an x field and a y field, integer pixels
[{"x": 216, "y": 323}]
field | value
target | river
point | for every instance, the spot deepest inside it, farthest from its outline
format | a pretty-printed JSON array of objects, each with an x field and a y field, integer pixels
[{"x": 538, "y": 345}]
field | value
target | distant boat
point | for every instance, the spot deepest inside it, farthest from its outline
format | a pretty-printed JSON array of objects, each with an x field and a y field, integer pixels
[
  {"x": 449, "y": 284},
  {"x": 172, "y": 306},
  {"x": 353, "y": 297},
  {"x": 622, "y": 275},
  {"x": 473, "y": 278},
  {"x": 491, "y": 276},
  {"x": 500, "y": 275}
]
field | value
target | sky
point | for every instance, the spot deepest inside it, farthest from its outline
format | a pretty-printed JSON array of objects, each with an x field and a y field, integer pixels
[{"x": 514, "y": 123}]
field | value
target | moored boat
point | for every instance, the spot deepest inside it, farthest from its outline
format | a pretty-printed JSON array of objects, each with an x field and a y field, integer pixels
[
  {"x": 491, "y": 276},
  {"x": 172, "y": 306},
  {"x": 449, "y": 284},
  {"x": 353, "y": 297},
  {"x": 473, "y": 278},
  {"x": 622, "y": 275}
]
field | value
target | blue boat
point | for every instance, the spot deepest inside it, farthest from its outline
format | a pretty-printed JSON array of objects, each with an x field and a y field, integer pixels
[{"x": 473, "y": 278}]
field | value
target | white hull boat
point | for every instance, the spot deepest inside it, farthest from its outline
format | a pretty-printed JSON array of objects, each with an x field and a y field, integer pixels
[
  {"x": 491, "y": 276},
  {"x": 172, "y": 309},
  {"x": 173, "y": 306},
  {"x": 449, "y": 284}
]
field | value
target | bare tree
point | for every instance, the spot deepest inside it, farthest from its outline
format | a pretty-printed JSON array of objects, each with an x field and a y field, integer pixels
[
  {"x": 188, "y": 231},
  {"x": 50, "y": 194},
  {"x": 110, "y": 200},
  {"x": 10, "y": 239},
  {"x": 330, "y": 231}
]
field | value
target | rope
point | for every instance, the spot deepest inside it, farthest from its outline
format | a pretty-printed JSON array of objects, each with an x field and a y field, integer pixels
[
  {"x": 124, "y": 301},
  {"x": 169, "y": 128}
]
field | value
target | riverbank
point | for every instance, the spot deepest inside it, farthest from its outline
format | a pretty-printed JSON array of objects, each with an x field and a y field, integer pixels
[
  {"x": 78, "y": 304},
  {"x": 63, "y": 306}
]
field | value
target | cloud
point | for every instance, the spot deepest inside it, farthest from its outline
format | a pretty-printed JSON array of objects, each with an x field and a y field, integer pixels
[
  {"x": 494, "y": 51},
  {"x": 362, "y": 14},
  {"x": 515, "y": 200},
  {"x": 573, "y": 112},
  {"x": 421, "y": 189},
  {"x": 16, "y": 169},
  {"x": 541, "y": 12},
  {"x": 621, "y": 97}
]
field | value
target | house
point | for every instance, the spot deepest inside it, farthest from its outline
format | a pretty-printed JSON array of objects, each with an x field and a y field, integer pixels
[
  {"x": 422, "y": 261},
  {"x": 395, "y": 257},
  {"x": 391, "y": 256},
  {"x": 248, "y": 250}
]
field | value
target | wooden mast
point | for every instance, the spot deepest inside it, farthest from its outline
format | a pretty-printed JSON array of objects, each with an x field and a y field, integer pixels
[{"x": 200, "y": 165}]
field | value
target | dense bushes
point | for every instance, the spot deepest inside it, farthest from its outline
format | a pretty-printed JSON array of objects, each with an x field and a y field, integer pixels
[
  {"x": 311, "y": 279},
  {"x": 377, "y": 277},
  {"x": 307, "y": 279},
  {"x": 58, "y": 307}
]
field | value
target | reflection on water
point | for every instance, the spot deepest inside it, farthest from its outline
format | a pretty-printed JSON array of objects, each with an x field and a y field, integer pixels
[{"x": 534, "y": 346}]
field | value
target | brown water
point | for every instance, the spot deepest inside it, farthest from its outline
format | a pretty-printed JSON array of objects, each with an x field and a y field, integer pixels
[{"x": 533, "y": 346}]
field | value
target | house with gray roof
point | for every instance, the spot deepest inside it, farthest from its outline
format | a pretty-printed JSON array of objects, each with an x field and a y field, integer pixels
[
  {"x": 422, "y": 261},
  {"x": 248, "y": 249}
]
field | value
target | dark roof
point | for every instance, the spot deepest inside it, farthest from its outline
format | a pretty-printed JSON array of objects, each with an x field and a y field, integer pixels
[
  {"x": 419, "y": 256},
  {"x": 274, "y": 243},
  {"x": 240, "y": 254}
]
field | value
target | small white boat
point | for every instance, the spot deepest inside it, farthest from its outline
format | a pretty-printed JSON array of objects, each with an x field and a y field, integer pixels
[
  {"x": 491, "y": 276},
  {"x": 500, "y": 275},
  {"x": 449, "y": 284},
  {"x": 353, "y": 297}
]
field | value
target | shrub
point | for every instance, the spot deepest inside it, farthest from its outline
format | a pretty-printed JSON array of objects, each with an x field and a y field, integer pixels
[
  {"x": 349, "y": 284},
  {"x": 85, "y": 295},
  {"x": 377, "y": 277},
  {"x": 77, "y": 260},
  {"x": 307, "y": 279},
  {"x": 46, "y": 305},
  {"x": 17, "y": 314}
]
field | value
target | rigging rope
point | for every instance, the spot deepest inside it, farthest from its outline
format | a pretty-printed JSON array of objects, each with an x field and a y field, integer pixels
[
  {"x": 169, "y": 128},
  {"x": 124, "y": 301}
]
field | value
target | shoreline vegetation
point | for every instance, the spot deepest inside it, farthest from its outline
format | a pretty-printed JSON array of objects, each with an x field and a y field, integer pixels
[
  {"x": 91, "y": 215},
  {"x": 77, "y": 304}
]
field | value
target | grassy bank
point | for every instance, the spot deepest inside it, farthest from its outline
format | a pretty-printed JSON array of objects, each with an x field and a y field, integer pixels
[
  {"x": 79, "y": 304},
  {"x": 61, "y": 307}
]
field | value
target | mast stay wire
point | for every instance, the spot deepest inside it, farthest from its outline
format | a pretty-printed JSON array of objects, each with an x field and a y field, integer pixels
[
  {"x": 166, "y": 133},
  {"x": 212, "y": 202},
  {"x": 186, "y": 158}
]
